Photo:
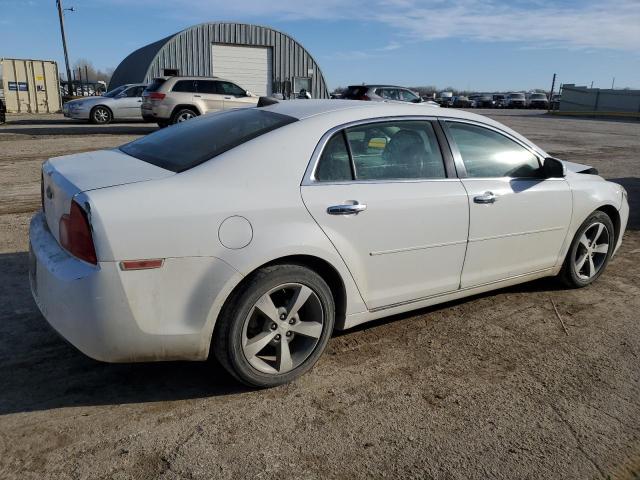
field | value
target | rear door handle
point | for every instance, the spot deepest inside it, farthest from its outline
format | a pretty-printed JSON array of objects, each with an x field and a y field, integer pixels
[
  {"x": 486, "y": 197},
  {"x": 347, "y": 209},
  {"x": 197, "y": 96}
]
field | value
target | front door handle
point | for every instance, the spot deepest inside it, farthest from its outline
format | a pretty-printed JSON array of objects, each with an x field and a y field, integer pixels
[
  {"x": 486, "y": 197},
  {"x": 197, "y": 96},
  {"x": 347, "y": 209}
]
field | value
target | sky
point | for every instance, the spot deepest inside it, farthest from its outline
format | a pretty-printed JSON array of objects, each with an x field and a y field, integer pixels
[{"x": 482, "y": 45}]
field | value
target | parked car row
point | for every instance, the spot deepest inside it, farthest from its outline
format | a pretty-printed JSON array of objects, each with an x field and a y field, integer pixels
[
  {"x": 166, "y": 100},
  {"x": 495, "y": 100}
]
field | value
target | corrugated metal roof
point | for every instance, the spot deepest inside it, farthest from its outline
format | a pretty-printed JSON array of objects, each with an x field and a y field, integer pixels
[{"x": 189, "y": 51}]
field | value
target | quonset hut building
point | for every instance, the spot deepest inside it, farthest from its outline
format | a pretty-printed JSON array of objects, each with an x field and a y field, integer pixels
[{"x": 260, "y": 59}]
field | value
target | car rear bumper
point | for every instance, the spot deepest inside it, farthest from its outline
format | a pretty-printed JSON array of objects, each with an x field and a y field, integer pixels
[
  {"x": 624, "y": 219},
  {"x": 116, "y": 316}
]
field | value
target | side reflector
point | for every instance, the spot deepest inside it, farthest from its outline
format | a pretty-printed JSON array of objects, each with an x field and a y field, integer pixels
[{"x": 141, "y": 264}]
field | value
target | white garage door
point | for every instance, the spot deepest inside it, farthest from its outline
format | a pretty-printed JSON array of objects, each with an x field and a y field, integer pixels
[{"x": 249, "y": 67}]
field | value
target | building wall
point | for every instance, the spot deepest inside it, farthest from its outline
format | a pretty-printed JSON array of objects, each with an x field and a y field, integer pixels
[
  {"x": 189, "y": 51},
  {"x": 583, "y": 99}
]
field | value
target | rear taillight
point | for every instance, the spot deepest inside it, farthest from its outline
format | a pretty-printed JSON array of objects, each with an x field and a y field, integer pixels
[
  {"x": 363, "y": 97},
  {"x": 156, "y": 96},
  {"x": 75, "y": 234}
]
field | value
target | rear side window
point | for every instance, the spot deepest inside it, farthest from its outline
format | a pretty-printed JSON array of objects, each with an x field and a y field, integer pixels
[
  {"x": 355, "y": 92},
  {"x": 185, "y": 145},
  {"x": 382, "y": 151},
  {"x": 188, "y": 86}
]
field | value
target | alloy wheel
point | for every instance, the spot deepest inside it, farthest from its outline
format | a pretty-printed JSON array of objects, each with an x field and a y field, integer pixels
[
  {"x": 184, "y": 116},
  {"x": 591, "y": 252},
  {"x": 101, "y": 115},
  {"x": 283, "y": 328}
]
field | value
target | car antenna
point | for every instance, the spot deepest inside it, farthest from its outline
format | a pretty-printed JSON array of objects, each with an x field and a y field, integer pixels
[{"x": 266, "y": 101}]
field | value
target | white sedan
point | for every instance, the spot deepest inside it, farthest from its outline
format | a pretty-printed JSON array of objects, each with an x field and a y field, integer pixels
[{"x": 252, "y": 234}]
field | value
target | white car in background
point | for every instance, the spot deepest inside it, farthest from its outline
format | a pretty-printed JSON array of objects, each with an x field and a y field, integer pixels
[
  {"x": 252, "y": 234},
  {"x": 122, "y": 103}
]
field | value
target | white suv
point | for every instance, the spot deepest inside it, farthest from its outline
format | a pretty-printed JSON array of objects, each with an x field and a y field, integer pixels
[{"x": 169, "y": 100}]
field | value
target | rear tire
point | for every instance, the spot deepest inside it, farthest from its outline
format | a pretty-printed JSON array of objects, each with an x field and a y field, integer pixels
[
  {"x": 101, "y": 116},
  {"x": 182, "y": 115},
  {"x": 274, "y": 328},
  {"x": 589, "y": 252}
]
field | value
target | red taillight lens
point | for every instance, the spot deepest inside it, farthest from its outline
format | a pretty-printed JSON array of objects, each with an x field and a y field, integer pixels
[
  {"x": 75, "y": 234},
  {"x": 156, "y": 96},
  {"x": 364, "y": 97}
]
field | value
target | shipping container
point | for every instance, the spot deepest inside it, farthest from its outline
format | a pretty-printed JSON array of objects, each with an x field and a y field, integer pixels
[{"x": 30, "y": 86}]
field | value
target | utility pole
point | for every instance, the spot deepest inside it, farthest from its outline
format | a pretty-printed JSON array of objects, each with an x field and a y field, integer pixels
[
  {"x": 553, "y": 85},
  {"x": 64, "y": 46}
]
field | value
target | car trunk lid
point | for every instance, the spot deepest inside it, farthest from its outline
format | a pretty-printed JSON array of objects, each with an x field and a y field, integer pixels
[{"x": 64, "y": 177}]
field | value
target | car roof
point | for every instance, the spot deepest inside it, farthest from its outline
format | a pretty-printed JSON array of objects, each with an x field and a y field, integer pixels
[
  {"x": 345, "y": 111},
  {"x": 302, "y": 109},
  {"x": 382, "y": 85}
]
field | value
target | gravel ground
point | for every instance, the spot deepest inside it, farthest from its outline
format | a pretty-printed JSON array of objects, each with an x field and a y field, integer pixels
[{"x": 488, "y": 387}]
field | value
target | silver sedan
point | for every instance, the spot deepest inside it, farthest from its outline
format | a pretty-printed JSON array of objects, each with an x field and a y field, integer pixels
[{"x": 122, "y": 103}]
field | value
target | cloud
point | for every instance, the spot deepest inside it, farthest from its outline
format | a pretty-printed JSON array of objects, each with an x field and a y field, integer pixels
[{"x": 586, "y": 24}]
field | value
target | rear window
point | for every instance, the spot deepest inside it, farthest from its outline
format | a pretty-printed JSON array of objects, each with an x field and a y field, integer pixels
[
  {"x": 355, "y": 92},
  {"x": 185, "y": 145},
  {"x": 155, "y": 85}
]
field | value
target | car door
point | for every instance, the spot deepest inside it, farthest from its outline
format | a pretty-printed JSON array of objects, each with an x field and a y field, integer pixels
[
  {"x": 210, "y": 95},
  {"x": 234, "y": 96},
  {"x": 128, "y": 103},
  {"x": 381, "y": 193},
  {"x": 518, "y": 219}
]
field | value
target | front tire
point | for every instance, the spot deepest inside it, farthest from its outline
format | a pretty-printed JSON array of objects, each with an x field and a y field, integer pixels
[
  {"x": 275, "y": 327},
  {"x": 590, "y": 251},
  {"x": 101, "y": 116}
]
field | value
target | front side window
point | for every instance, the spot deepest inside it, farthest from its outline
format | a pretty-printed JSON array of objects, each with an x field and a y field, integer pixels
[
  {"x": 487, "y": 153},
  {"x": 187, "y": 144},
  {"x": 207, "y": 86},
  {"x": 383, "y": 151},
  {"x": 408, "y": 96},
  {"x": 228, "y": 88}
]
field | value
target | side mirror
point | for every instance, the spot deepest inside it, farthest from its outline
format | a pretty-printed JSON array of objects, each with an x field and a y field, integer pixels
[
  {"x": 417, "y": 100},
  {"x": 121, "y": 95},
  {"x": 249, "y": 94},
  {"x": 553, "y": 168}
]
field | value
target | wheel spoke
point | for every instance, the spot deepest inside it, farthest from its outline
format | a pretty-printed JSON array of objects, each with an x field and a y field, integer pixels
[
  {"x": 301, "y": 297},
  {"x": 580, "y": 262},
  {"x": 307, "y": 329},
  {"x": 584, "y": 240},
  {"x": 592, "y": 267},
  {"x": 266, "y": 306},
  {"x": 602, "y": 248},
  {"x": 256, "y": 344},
  {"x": 598, "y": 233},
  {"x": 283, "y": 357}
]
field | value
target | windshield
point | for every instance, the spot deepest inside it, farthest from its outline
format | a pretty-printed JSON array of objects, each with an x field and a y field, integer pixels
[
  {"x": 538, "y": 96},
  {"x": 115, "y": 91},
  {"x": 187, "y": 144},
  {"x": 516, "y": 95}
]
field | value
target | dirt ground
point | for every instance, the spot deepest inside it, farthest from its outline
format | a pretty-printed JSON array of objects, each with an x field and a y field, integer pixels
[{"x": 488, "y": 387}]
